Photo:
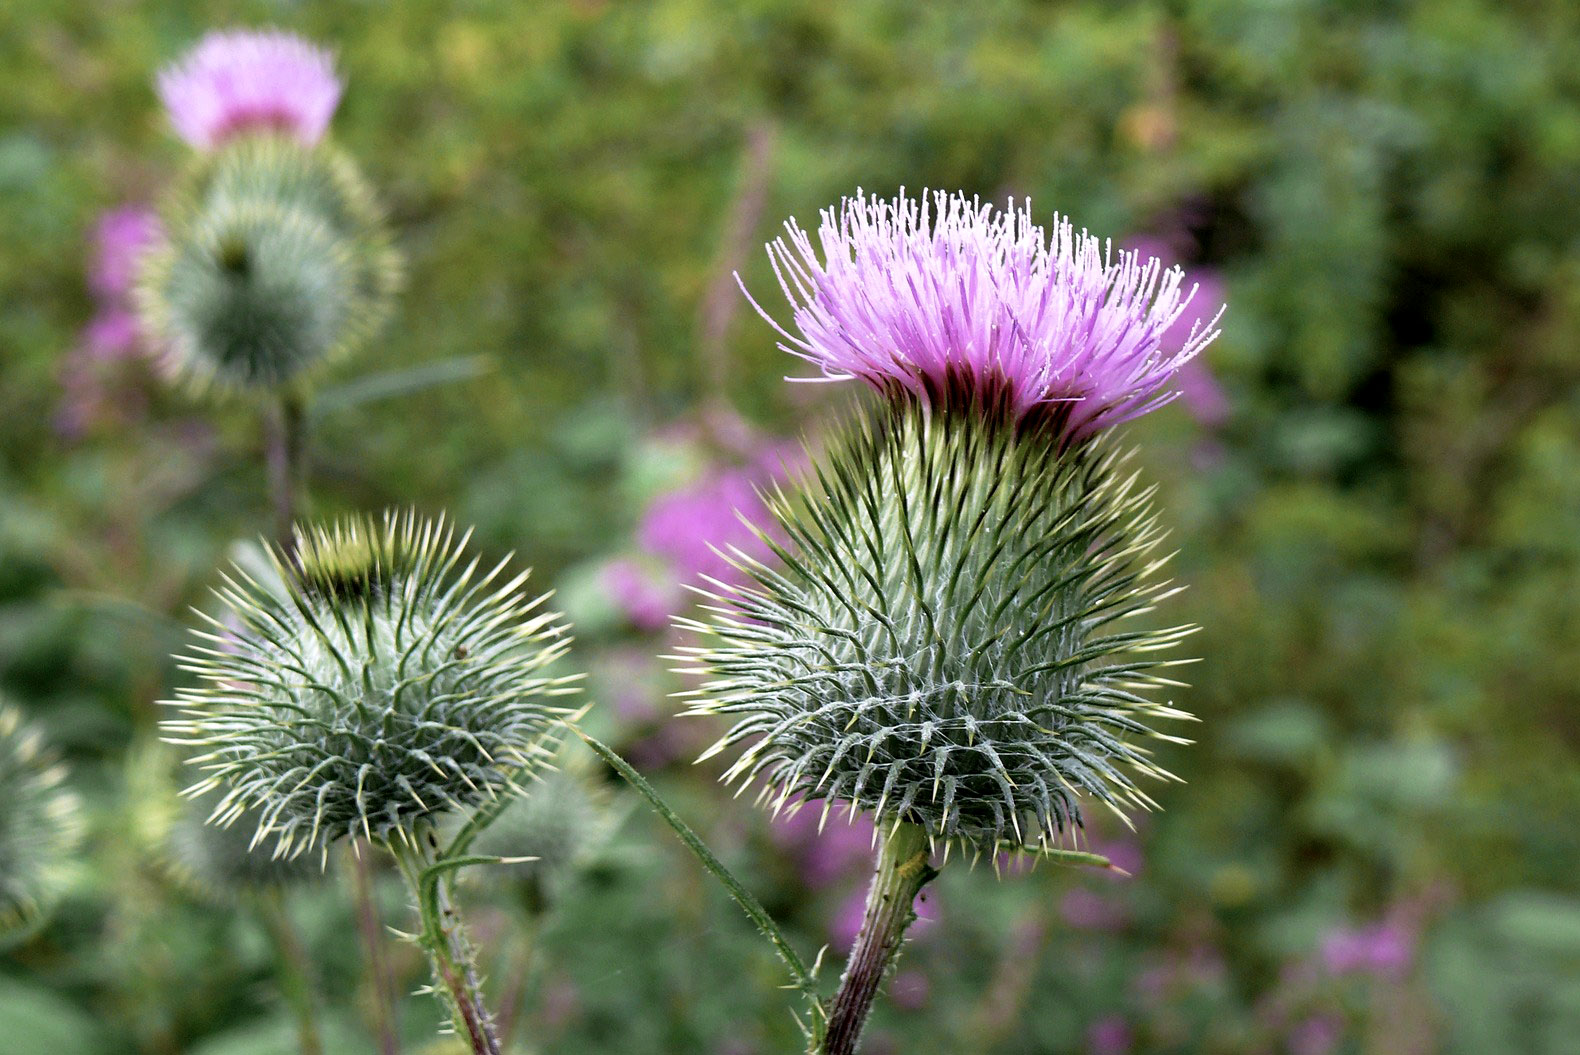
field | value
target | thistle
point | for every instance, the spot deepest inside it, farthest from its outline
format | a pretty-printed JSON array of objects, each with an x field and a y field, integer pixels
[
  {"x": 381, "y": 685},
  {"x": 277, "y": 264},
  {"x": 956, "y": 636},
  {"x": 39, "y": 830}
]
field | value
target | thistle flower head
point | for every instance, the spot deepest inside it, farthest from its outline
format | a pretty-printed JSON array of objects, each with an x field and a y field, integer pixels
[
  {"x": 956, "y": 638},
  {"x": 951, "y": 300},
  {"x": 277, "y": 263},
  {"x": 381, "y": 681},
  {"x": 39, "y": 827},
  {"x": 241, "y": 81}
]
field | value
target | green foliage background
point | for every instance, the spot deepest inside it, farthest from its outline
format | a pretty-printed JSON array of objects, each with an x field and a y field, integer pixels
[{"x": 1382, "y": 543}]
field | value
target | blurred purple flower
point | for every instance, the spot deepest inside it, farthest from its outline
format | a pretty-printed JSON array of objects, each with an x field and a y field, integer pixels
[
  {"x": 1385, "y": 948},
  {"x": 1109, "y": 1036},
  {"x": 1317, "y": 1035},
  {"x": 648, "y": 600},
  {"x": 691, "y": 533},
  {"x": 111, "y": 335},
  {"x": 844, "y": 846},
  {"x": 1085, "y": 909},
  {"x": 943, "y": 296},
  {"x": 910, "y": 990},
  {"x": 240, "y": 80},
  {"x": 120, "y": 239}
]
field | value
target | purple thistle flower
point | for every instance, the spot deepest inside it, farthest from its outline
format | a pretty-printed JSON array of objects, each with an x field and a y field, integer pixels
[
  {"x": 120, "y": 239},
  {"x": 942, "y": 295},
  {"x": 243, "y": 80}
]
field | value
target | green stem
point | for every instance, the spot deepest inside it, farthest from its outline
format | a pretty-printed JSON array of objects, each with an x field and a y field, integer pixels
[
  {"x": 287, "y": 456},
  {"x": 449, "y": 951},
  {"x": 373, "y": 943},
  {"x": 901, "y": 873},
  {"x": 294, "y": 969},
  {"x": 518, "y": 977},
  {"x": 802, "y": 978}
]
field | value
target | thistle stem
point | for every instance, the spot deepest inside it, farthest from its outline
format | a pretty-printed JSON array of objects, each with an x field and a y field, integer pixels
[
  {"x": 803, "y": 978},
  {"x": 295, "y": 970},
  {"x": 287, "y": 456},
  {"x": 449, "y": 951},
  {"x": 373, "y": 942},
  {"x": 901, "y": 873}
]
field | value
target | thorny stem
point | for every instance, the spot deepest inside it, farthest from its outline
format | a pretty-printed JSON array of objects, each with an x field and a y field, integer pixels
[
  {"x": 373, "y": 943},
  {"x": 901, "y": 873},
  {"x": 443, "y": 938},
  {"x": 804, "y": 979},
  {"x": 287, "y": 455},
  {"x": 295, "y": 970}
]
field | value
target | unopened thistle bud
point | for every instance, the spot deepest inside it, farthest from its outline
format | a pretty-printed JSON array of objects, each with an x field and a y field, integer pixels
[
  {"x": 40, "y": 825},
  {"x": 381, "y": 683},
  {"x": 277, "y": 259},
  {"x": 957, "y": 636}
]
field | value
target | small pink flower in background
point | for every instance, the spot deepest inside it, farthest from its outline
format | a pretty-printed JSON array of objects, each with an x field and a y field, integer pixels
[
  {"x": 1084, "y": 909},
  {"x": 1109, "y": 1036},
  {"x": 1317, "y": 1035},
  {"x": 945, "y": 297},
  {"x": 244, "y": 81},
  {"x": 688, "y": 535},
  {"x": 648, "y": 599},
  {"x": 112, "y": 334},
  {"x": 120, "y": 239},
  {"x": 1385, "y": 948},
  {"x": 93, "y": 392},
  {"x": 843, "y": 848},
  {"x": 910, "y": 990}
]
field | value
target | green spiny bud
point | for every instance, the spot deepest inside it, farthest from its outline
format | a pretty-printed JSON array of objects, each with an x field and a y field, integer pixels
[
  {"x": 40, "y": 825},
  {"x": 956, "y": 638},
  {"x": 376, "y": 683},
  {"x": 277, "y": 261}
]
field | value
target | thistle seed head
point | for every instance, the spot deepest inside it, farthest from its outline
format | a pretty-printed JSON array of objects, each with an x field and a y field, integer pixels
[
  {"x": 957, "y": 636},
  {"x": 381, "y": 682},
  {"x": 277, "y": 262},
  {"x": 40, "y": 825}
]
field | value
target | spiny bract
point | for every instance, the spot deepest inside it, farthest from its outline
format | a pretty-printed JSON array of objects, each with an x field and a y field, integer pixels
[
  {"x": 39, "y": 825},
  {"x": 381, "y": 682},
  {"x": 277, "y": 262},
  {"x": 954, "y": 638}
]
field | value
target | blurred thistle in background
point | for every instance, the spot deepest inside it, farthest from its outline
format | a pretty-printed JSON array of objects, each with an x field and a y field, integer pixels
[{"x": 40, "y": 826}]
